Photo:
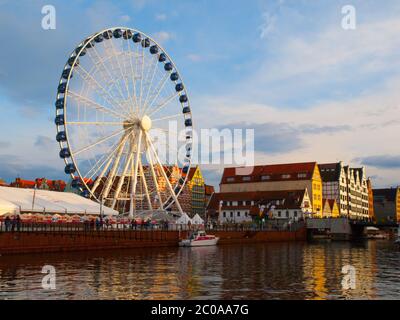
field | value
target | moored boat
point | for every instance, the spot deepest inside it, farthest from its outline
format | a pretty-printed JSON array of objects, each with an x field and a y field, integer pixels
[{"x": 199, "y": 238}]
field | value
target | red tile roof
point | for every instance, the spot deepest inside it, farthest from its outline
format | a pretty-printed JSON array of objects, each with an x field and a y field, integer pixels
[
  {"x": 290, "y": 199},
  {"x": 58, "y": 185},
  {"x": 274, "y": 172},
  {"x": 209, "y": 190}
]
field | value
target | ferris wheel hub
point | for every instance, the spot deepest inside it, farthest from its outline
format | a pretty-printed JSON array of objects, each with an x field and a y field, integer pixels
[{"x": 145, "y": 123}]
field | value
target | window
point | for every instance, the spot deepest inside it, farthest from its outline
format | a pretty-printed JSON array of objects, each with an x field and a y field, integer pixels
[
  {"x": 230, "y": 179},
  {"x": 238, "y": 213},
  {"x": 231, "y": 214},
  {"x": 279, "y": 214},
  {"x": 295, "y": 214},
  {"x": 267, "y": 177},
  {"x": 285, "y": 176},
  {"x": 302, "y": 175},
  {"x": 246, "y": 214},
  {"x": 246, "y": 178},
  {"x": 224, "y": 214},
  {"x": 287, "y": 214}
]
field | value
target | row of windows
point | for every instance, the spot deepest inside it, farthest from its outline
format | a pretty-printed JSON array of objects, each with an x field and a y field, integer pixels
[
  {"x": 316, "y": 186},
  {"x": 280, "y": 214},
  {"x": 238, "y": 214},
  {"x": 317, "y": 197},
  {"x": 301, "y": 175},
  {"x": 238, "y": 203}
]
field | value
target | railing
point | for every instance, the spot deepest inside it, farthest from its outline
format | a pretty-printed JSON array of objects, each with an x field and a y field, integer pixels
[
  {"x": 267, "y": 226},
  {"x": 87, "y": 227}
]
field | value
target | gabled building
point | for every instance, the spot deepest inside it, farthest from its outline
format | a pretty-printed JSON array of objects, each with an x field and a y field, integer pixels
[
  {"x": 39, "y": 183},
  {"x": 334, "y": 185},
  {"x": 330, "y": 209},
  {"x": 278, "y": 177},
  {"x": 348, "y": 187},
  {"x": 239, "y": 207},
  {"x": 387, "y": 205},
  {"x": 361, "y": 191}
]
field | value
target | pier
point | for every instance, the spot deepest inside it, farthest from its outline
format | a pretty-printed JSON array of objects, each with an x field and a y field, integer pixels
[{"x": 36, "y": 238}]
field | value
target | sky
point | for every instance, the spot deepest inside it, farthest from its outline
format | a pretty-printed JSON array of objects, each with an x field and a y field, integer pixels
[{"x": 311, "y": 90}]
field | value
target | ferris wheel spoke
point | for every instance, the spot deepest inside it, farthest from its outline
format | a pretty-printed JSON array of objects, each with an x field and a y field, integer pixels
[
  {"x": 164, "y": 103},
  {"x": 95, "y": 123},
  {"x": 135, "y": 172},
  {"x": 108, "y": 83},
  {"x": 99, "y": 142},
  {"x": 109, "y": 160},
  {"x": 121, "y": 179},
  {"x": 103, "y": 159},
  {"x": 168, "y": 117},
  {"x": 133, "y": 74},
  {"x": 141, "y": 79},
  {"x": 157, "y": 94},
  {"x": 151, "y": 83},
  {"x": 168, "y": 183},
  {"x": 110, "y": 178},
  {"x": 120, "y": 69},
  {"x": 99, "y": 86},
  {"x": 91, "y": 103}
]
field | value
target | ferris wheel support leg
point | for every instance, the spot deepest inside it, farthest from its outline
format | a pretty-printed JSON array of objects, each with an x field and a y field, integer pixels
[
  {"x": 153, "y": 173},
  {"x": 121, "y": 181},
  {"x": 135, "y": 170},
  {"x": 165, "y": 176},
  {"x": 112, "y": 173},
  {"x": 98, "y": 180},
  {"x": 145, "y": 185}
]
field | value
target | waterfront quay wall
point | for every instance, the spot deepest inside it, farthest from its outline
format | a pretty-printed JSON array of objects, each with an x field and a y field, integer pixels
[{"x": 64, "y": 241}]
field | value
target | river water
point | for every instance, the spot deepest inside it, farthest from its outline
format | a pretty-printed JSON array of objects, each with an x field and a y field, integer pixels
[{"x": 263, "y": 271}]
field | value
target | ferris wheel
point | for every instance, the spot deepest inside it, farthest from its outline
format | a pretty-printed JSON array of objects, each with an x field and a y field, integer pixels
[{"x": 118, "y": 97}]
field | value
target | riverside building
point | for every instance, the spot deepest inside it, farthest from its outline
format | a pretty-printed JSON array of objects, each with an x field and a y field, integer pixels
[{"x": 277, "y": 177}]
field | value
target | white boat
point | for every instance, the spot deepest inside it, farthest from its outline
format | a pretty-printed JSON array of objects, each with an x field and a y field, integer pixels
[
  {"x": 397, "y": 241},
  {"x": 198, "y": 239}
]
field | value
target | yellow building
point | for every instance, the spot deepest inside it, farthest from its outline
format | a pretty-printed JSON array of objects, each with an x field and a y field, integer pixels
[
  {"x": 278, "y": 177},
  {"x": 330, "y": 209}
]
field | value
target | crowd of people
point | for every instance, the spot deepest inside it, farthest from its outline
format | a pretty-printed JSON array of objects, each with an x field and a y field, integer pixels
[{"x": 13, "y": 224}]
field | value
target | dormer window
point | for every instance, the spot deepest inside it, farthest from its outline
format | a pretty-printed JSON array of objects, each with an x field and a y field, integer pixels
[
  {"x": 247, "y": 178},
  {"x": 266, "y": 177},
  {"x": 230, "y": 179},
  {"x": 285, "y": 176}
]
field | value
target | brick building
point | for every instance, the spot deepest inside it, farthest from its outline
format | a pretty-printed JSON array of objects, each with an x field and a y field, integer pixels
[
  {"x": 238, "y": 207},
  {"x": 40, "y": 183},
  {"x": 278, "y": 177}
]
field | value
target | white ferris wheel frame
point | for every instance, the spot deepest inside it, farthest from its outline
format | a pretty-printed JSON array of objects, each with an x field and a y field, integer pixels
[{"x": 149, "y": 148}]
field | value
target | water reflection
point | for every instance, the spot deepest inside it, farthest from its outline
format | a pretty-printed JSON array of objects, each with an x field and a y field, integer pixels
[{"x": 266, "y": 271}]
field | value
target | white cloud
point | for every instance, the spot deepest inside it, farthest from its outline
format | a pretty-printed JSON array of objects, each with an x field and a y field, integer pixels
[
  {"x": 163, "y": 36},
  {"x": 161, "y": 17},
  {"x": 125, "y": 18}
]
